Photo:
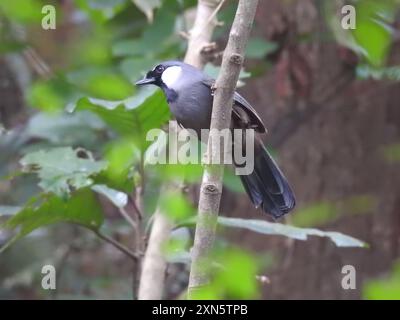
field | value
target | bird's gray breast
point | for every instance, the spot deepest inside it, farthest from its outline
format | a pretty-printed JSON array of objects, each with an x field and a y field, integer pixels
[{"x": 192, "y": 106}]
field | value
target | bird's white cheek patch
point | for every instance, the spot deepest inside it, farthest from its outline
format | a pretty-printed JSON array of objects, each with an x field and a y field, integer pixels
[{"x": 170, "y": 75}]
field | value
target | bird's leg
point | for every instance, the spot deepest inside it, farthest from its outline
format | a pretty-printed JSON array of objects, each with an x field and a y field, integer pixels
[{"x": 213, "y": 88}]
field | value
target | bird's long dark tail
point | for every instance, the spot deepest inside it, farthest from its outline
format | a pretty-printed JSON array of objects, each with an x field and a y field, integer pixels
[{"x": 266, "y": 186}]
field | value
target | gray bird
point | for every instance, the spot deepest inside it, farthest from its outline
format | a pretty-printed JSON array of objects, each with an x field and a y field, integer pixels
[{"x": 190, "y": 97}]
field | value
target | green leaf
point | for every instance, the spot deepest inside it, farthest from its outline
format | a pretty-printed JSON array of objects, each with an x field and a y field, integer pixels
[
  {"x": 101, "y": 83},
  {"x": 384, "y": 289},
  {"x": 82, "y": 208},
  {"x": 258, "y": 48},
  {"x": 121, "y": 155},
  {"x": 134, "y": 68},
  {"x": 25, "y": 11},
  {"x": 118, "y": 198},
  {"x": 269, "y": 228},
  {"x": 148, "y": 6},
  {"x": 131, "y": 117},
  {"x": 66, "y": 129},
  {"x": 61, "y": 169},
  {"x": 373, "y": 32},
  {"x": 51, "y": 95}
]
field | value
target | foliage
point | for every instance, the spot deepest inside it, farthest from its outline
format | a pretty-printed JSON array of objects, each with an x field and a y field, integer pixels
[
  {"x": 269, "y": 228},
  {"x": 372, "y": 37},
  {"x": 384, "y": 289},
  {"x": 85, "y": 137},
  {"x": 62, "y": 169},
  {"x": 82, "y": 208},
  {"x": 233, "y": 276}
]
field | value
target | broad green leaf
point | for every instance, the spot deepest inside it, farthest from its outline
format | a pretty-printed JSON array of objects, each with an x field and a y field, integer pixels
[
  {"x": 82, "y": 208},
  {"x": 51, "y": 95},
  {"x": 118, "y": 198},
  {"x": 148, "y": 6},
  {"x": 155, "y": 41},
  {"x": 131, "y": 117},
  {"x": 82, "y": 128},
  {"x": 135, "y": 68},
  {"x": 269, "y": 228},
  {"x": 373, "y": 32},
  {"x": 62, "y": 169},
  {"x": 101, "y": 83},
  {"x": 25, "y": 11},
  {"x": 384, "y": 289},
  {"x": 128, "y": 48},
  {"x": 121, "y": 155},
  {"x": 258, "y": 48}
]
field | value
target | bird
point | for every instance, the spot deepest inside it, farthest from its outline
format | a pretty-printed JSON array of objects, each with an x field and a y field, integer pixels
[{"x": 189, "y": 93}]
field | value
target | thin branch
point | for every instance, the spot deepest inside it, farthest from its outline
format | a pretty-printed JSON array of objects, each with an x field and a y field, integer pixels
[
  {"x": 214, "y": 14},
  {"x": 154, "y": 264},
  {"x": 128, "y": 218},
  {"x": 211, "y": 187},
  {"x": 202, "y": 31},
  {"x": 134, "y": 256},
  {"x": 137, "y": 209}
]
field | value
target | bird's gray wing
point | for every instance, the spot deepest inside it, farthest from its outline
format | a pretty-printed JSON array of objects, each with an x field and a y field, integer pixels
[{"x": 242, "y": 110}]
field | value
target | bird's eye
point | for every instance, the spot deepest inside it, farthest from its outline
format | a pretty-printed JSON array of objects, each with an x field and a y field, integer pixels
[{"x": 160, "y": 68}]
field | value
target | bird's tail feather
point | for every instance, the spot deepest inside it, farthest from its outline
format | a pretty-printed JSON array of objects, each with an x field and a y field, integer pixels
[{"x": 266, "y": 186}]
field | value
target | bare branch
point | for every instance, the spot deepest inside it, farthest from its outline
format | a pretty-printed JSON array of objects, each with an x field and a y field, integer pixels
[
  {"x": 128, "y": 218},
  {"x": 211, "y": 188},
  {"x": 154, "y": 264},
  {"x": 202, "y": 31},
  {"x": 134, "y": 256}
]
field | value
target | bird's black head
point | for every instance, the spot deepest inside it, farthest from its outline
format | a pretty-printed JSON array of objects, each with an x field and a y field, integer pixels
[{"x": 164, "y": 74}]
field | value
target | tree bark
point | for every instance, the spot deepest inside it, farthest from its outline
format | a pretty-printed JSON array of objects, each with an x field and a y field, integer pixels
[
  {"x": 211, "y": 188},
  {"x": 154, "y": 263},
  {"x": 201, "y": 33}
]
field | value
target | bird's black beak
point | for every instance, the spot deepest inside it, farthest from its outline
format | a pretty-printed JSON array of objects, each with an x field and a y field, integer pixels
[{"x": 146, "y": 80}]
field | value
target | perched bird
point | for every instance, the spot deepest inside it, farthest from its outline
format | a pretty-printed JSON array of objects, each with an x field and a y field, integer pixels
[{"x": 189, "y": 93}]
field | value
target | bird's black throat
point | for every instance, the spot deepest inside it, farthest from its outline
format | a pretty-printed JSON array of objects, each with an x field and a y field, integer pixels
[{"x": 171, "y": 94}]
